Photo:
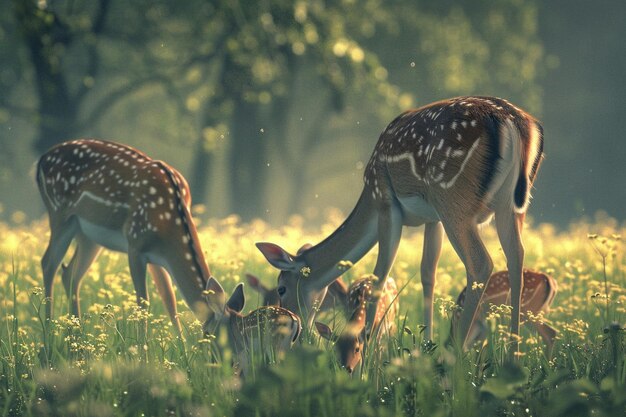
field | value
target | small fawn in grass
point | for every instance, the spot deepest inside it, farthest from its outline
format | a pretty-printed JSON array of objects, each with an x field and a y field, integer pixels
[
  {"x": 350, "y": 342},
  {"x": 537, "y": 296}
]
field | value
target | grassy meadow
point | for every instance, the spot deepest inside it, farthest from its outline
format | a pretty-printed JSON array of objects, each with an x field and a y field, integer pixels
[{"x": 118, "y": 360}]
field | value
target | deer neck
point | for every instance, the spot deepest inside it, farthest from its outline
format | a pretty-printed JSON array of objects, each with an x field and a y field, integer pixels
[
  {"x": 350, "y": 242},
  {"x": 190, "y": 276},
  {"x": 183, "y": 256},
  {"x": 236, "y": 327}
]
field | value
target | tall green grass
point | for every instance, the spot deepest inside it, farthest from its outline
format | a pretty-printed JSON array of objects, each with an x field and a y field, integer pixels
[{"x": 120, "y": 360}]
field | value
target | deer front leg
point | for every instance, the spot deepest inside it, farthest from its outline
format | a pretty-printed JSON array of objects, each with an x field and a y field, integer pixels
[
  {"x": 465, "y": 240},
  {"x": 61, "y": 235},
  {"x": 509, "y": 233},
  {"x": 389, "y": 233},
  {"x": 433, "y": 238},
  {"x": 138, "y": 265},
  {"x": 86, "y": 252},
  {"x": 163, "y": 284}
]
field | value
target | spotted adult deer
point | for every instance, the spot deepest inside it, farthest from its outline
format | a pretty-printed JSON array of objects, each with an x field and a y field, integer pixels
[
  {"x": 336, "y": 298},
  {"x": 104, "y": 194},
  {"x": 449, "y": 165},
  {"x": 350, "y": 342},
  {"x": 537, "y": 296}
]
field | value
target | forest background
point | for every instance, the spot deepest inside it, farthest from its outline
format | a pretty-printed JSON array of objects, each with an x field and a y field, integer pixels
[{"x": 273, "y": 108}]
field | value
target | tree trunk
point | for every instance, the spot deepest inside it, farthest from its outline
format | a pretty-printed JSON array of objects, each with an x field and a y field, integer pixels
[
  {"x": 247, "y": 161},
  {"x": 310, "y": 137},
  {"x": 57, "y": 113},
  {"x": 199, "y": 180},
  {"x": 43, "y": 32}
]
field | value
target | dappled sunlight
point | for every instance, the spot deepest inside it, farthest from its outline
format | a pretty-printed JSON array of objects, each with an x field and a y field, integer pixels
[{"x": 269, "y": 111}]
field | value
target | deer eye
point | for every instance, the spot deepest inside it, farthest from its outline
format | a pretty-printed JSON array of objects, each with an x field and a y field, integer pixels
[
  {"x": 357, "y": 350},
  {"x": 282, "y": 290}
]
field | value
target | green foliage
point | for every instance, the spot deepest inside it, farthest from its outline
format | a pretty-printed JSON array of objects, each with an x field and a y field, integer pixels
[
  {"x": 488, "y": 47},
  {"x": 305, "y": 385},
  {"x": 206, "y": 77},
  {"x": 105, "y": 388},
  {"x": 511, "y": 379}
]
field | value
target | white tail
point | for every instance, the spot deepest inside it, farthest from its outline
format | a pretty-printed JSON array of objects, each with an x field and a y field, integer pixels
[
  {"x": 537, "y": 296},
  {"x": 350, "y": 342},
  {"x": 448, "y": 165}
]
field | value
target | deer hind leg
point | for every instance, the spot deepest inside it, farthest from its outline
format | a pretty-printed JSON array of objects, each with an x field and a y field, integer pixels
[
  {"x": 163, "y": 284},
  {"x": 508, "y": 225},
  {"x": 389, "y": 233},
  {"x": 61, "y": 235},
  {"x": 465, "y": 240},
  {"x": 84, "y": 255},
  {"x": 433, "y": 238}
]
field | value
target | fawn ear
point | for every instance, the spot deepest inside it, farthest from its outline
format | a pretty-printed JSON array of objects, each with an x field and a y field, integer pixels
[
  {"x": 237, "y": 299},
  {"x": 215, "y": 295},
  {"x": 256, "y": 284},
  {"x": 277, "y": 256},
  {"x": 214, "y": 286},
  {"x": 324, "y": 330}
]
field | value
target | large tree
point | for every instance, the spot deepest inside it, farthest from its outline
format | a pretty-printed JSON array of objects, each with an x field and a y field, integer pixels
[
  {"x": 265, "y": 84},
  {"x": 342, "y": 51},
  {"x": 48, "y": 36},
  {"x": 83, "y": 61}
]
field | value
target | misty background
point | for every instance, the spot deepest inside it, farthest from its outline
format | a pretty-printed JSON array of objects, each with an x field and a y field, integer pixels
[{"x": 272, "y": 108}]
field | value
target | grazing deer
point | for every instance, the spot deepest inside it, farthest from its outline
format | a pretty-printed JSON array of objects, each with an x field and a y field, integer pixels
[
  {"x": 537, "y": 296},
  {"x": 266, "y": 332},
  {"x": 104, "y": 194},
  {"x": 337, "y": 291},
  {"x": 450, "y": 165},
  {"x": 350, "y": 342}
]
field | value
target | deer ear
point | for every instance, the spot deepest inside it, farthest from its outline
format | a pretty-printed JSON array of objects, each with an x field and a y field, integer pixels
[
  {"x": 256, "y": 283},
  {"x": 324, "y": 330},
  {"x": 277, "y": 256},
  {"x": 237, "y": 299},
  {"x": 304, "y": 247},
  {"x": 215, "y": 295},
  {"x": 213, "y": 285}
]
